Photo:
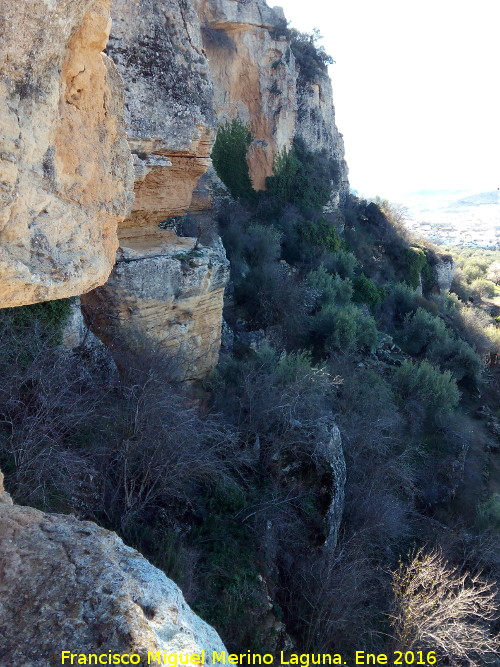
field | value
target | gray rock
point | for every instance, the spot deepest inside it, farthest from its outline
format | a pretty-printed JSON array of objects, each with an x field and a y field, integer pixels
[{"x": 71, "y": 585}]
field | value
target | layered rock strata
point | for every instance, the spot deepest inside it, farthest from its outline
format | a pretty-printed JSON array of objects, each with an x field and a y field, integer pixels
[
  {"x": 164, "y": 287},
  {"x": 79, "y": 588},
  {"x": 65, "y": 168},
  {"x": 171, "y": 294}
]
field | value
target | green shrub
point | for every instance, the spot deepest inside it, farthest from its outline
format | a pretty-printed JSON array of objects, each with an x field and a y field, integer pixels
[
  {"x": 307, "y": 243},
  {"x": 342, "y": 262},
  {"x": 342, "y": 329},
  {"x": 229, "y": 157},
  {"x": 457, "y": 356},
  {"x": 269, "y": 296},
  {"x": 429, "y": 281},
  {"x": 475, "y": 268},
  {"x": 416, "y": 260},
  {"x": 481, "y": 287},
  {"x": 50, "y": 315},
  {"x": 262, "y": 245},
  {"x": 302, "y": 177},
  {"x": 488, "y": 513},
  {"x": 321, "y": 234},
  {"x": 422, "y": 329},
  {"x": 332, "y": 289},
  {"x": 311, "y": 58},
  {"x": 424, "y": 383},
  {"x": 365, "y": 291},
  {"x": 401, "y": 301}
]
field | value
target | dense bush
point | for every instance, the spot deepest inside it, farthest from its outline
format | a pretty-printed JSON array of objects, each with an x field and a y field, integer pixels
[
  {"x": 50, "y": 316},
  {"x": 365, "y": 291},
  {"x": 271, "y": 298},
  {"x": 422, "y": 329},
  {"x": 302, "y": 177},
  {"x": 342, "y": 329},
  {"x": 423, "y": 383},
  {"x": 311, "y": 58},
  {"x": 308, "y": 243},
  {"x": 332, "y": 290},
  {"x": 321, "y": 234},
  {"x": 229, "y": 157},
  {"x": 416, "y": 260},
  {"x": 481, "y": 287},
  {"x": 457, "y": 356},
  {"x": 342, "y": 262}
]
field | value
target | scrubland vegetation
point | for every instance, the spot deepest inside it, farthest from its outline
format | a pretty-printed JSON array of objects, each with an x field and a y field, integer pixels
[{"x": 225, "y": 486}]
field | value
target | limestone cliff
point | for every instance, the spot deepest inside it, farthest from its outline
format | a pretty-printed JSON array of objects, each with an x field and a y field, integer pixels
[
  {"x": 164, "y": 287},
  {"x": 64, "y": 163},
  {"x": 187, "y": 66},
  {"x": 67, "y": 584},
  {"x": 256, "y": 78}
]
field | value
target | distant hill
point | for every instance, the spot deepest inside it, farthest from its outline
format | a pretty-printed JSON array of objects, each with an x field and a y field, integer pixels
[{"x": 480, "y": 199}]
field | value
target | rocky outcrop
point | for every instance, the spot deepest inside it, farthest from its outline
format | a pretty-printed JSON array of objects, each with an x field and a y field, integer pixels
[
  {"x": 65, "y": 170},
  {"x": 171, "y": 126},
  {"x": 4, "y": 496},
  {"x": 333, "y": 454},
  {"x": 185, "y": 67},
  {"x": 316, "y": 127},
  {"x": 257, "y": 79},
  {"x": 70, "y": 585},
  {"x": 78, "y": 339},
  {"x": 164, "y": 287},
  {"x": 254, "y": 76},
  {"x": 444, "y": 270},
  {"x": 172, "y": 294}
]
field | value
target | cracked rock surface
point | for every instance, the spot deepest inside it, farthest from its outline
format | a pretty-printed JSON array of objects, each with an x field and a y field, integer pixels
[{"x": 67, "y": 584}]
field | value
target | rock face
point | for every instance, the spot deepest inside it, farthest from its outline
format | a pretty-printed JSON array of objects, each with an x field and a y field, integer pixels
[
  {"x": 316, "y": 127},
  {"x": 444, "y": 271},
  {"x": 64, "y": 161},
  {"x": 256, "y": 78},
  {"x": 185, "y": 66},
  {"x": 334, "y": 456},
  {"x": 67, "y": 584},
  {"x": 168, "y": 102},
  {"x": 164, "y": 287},
  {"x": 4, "y": 496},
  {"x": 173, "y": 294}
]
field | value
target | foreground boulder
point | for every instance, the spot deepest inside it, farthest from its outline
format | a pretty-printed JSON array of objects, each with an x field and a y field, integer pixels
[{"x": 69, "y": 585}]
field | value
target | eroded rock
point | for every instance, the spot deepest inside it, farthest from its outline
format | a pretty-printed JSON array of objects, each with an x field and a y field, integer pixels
[
  {"x": 164, "y": 287},
  {"x": 444, "y": 270},
  {"x": 173, "y": 295},
  {"x": 65, "y": 165}
]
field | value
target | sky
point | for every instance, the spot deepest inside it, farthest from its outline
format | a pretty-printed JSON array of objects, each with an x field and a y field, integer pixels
[{"x": 416, "y": 90}]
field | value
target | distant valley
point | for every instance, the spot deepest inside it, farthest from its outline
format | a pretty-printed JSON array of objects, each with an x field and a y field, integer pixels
[{"x": 455, "y": 217}]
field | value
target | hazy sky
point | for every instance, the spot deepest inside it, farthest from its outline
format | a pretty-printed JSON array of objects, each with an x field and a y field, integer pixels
[{"x": 416, "y": 89}]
